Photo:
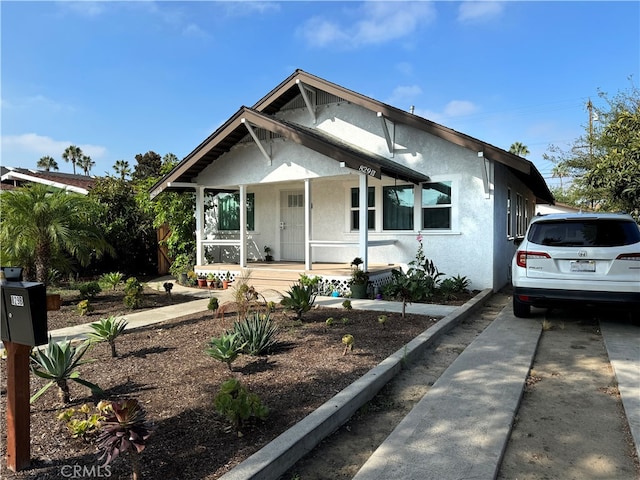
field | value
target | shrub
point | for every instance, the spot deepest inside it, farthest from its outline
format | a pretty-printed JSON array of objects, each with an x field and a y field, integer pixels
[
  {"x": 257, "y": 334},
  {"x": 133, "y": 293},
  {"x": 84, "y": 307},
  {"x": 89, "y": 290},
  {"x": 237, "y": 405},
  {"x": 300, "y": 299},
  {"x": 107, "y": 330},
  {"x": 81, "y": 422},
  {"x": 213, "y": 304},
  {"x": 56, "y": 364},
  {"x": 347, "y": 340},
  {"x": 347, "y": 305},
  {"x": 112, "y": 279},
  {"x": 124, "y": 429}
]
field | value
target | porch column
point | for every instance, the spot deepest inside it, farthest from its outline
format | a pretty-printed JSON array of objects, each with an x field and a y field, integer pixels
[
  {"x": 307, "y": 224},
  {"x": 364, "y": 221},
  {"x": 199, "y": 225},
  {"x": 243, "y": 226}
]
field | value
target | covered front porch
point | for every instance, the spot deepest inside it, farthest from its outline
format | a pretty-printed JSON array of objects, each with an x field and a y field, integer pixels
[{"x": 281, "y": 275}]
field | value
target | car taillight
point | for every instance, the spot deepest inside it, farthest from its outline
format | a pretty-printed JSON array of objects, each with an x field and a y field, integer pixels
[
  {"x": 629, "y": 256},
  {"x": 523, "y": 255}
]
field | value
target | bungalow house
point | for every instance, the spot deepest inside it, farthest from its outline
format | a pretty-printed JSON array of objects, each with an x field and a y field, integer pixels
[{"x": 322, "y": 174}]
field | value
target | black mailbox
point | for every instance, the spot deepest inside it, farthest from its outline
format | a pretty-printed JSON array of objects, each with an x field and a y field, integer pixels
[{"x": 24, "y": 313}]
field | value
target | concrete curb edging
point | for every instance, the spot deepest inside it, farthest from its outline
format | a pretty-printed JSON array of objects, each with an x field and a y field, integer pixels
[{"x": 275, "y": 458}]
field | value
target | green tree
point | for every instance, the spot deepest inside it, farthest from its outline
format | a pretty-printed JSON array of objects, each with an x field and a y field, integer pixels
[
  {"x": 72, "y": 154},
  {"x": 604, "y": 163},
  {"x": 520, "y": 149},
  {"x": 38, "y": 225},
  {"x": 126, "y": 226},
  {"x": 174, "y": 209},
  {"x": 616, "y": 170},
  {"x": 47, "y": 163},
  {"x": 122, "y": 169},
  {"x": 149, "y": 165},
  {"x": 86, "y": 164}
]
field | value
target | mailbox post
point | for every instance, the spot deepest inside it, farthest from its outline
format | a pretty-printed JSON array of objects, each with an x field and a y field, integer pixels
[{"x": 23, "y": 325}]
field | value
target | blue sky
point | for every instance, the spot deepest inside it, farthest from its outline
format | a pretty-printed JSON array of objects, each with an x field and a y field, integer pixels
[{"x": 122, "y": 78}]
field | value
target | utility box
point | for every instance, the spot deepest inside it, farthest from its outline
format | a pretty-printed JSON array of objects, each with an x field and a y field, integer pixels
[{"x": 24, "y": 313}]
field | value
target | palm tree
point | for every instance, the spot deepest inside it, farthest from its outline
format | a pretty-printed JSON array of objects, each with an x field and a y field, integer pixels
[
  {"x": 86, "y": 164},
  {"x": 122, "y": 168},
  {"x": 559, "y": 171},
  {"x": 520, "y": 149},
  {"x": 47, "y": 163},
  {"x": 39, "y": 225},
  {"x": 72, "y": 154}
]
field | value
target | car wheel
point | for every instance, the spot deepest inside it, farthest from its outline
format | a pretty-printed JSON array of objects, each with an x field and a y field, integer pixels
[{"x": 521, "y": 310}]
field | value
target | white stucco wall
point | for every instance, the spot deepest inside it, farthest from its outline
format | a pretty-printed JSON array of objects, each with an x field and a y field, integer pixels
[{"x": 469, "y": 248}]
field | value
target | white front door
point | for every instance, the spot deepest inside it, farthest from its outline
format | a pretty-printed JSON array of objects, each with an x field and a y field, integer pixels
[{"x": 292, "y": 225}]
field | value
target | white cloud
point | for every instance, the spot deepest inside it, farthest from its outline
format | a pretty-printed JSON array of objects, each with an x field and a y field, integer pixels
[
  {"x": 379, "y": 22},
  {"x": 85, "y": 8},
  {"x": 29, "y": 145},
  {"x": 403, "y": 94},
  {"x": 453, "y": 109},
  {"x": 193, "y": 30},
  {"x": 405, "y": 68},
  {"x": 38, "y": 101},
  {"x": 475, "y": 11}
]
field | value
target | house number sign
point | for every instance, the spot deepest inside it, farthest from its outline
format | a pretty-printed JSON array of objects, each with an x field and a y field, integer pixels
[{"x": 367, "y": 170}]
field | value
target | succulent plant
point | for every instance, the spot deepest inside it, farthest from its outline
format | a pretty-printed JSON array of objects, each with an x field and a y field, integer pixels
[
  {"x": 347, "y": 340},
  {"x": 107, "y": 330},
  {"x": 125, "y": 429}
]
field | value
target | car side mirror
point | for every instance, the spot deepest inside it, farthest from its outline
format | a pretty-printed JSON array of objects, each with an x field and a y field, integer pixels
[{"x": 517, "y": 241}]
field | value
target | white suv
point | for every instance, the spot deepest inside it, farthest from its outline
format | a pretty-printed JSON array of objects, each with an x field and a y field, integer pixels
[{"x": 585, "y": 258}]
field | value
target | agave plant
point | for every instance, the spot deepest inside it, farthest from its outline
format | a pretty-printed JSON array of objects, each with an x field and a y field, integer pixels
[
  {"x": 56, "y": 363},
  {"x": 225, "y": 348},
  {"x": 125, "y": 429},
  {"x": 112, "y": 279},
  {"x": 300, "y": 299},
  {"x": 107, "y": 330}
]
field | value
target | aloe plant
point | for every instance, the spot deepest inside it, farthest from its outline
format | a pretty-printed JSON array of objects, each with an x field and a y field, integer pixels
[
  {"x": 125, "y": 429},
  {"x": 257, "y": 334},
  {"x": 56, "y": 363},
  {"x": 107, "y": 330}
]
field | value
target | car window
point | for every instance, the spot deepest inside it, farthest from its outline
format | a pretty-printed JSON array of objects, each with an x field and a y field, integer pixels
[{"x": 588, "y": 233}]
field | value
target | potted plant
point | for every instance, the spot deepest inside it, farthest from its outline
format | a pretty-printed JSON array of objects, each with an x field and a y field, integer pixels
[
  {"x": 267, "y": 253},
  {"x": 192, "y": 278},
  {"x": 202, "y": 280},
  {"x": 211, "y": 280},
  {"x": 359, "y": 283},
  {"x": 227, "y": 280},
  {"x": 180, "y": 267}
]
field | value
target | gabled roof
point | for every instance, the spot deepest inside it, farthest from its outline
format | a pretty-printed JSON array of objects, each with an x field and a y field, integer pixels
[
  {"x": 225, "y": 137},
  {"x": 12, "y": 177}
]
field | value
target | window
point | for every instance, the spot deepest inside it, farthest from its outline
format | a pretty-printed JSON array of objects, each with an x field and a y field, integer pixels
[
  {"x": 355, "y": 208},
  {"x": 229, "y": 211},
  {"x": 509, "y": 229},
  {"x": 520, "y": 226},
  {"x": 436, "y": 205},
  {"x": 397, "y": 207}
]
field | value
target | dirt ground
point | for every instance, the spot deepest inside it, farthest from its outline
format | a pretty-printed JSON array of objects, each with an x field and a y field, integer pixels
[
  {"x": 571, "y": 424},
  {"x": 556, "y": 434},
  {"x": 165, "y": 367}
]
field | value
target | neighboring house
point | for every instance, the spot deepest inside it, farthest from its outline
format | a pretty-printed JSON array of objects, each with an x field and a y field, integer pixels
[
  {"x": 299, "y": 166},
  {"x": 12, "y": 178}
]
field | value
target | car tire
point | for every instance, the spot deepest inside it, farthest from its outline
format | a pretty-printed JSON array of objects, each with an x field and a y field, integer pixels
[{"x": 521, "y": 310}]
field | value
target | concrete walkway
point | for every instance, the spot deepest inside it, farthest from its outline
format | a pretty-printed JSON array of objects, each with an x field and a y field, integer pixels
[{"x": 461, "y": 427}]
